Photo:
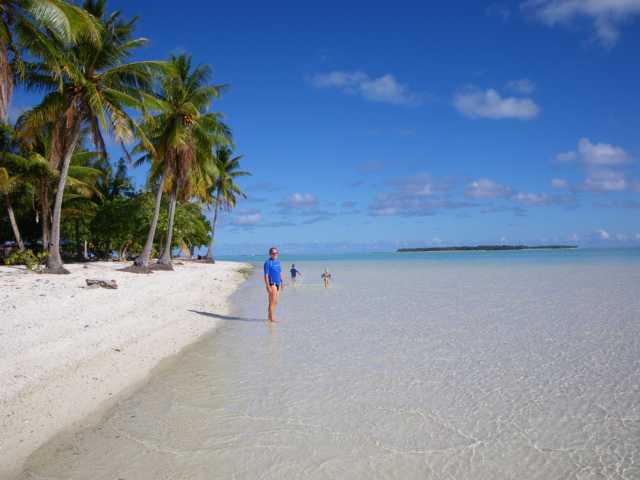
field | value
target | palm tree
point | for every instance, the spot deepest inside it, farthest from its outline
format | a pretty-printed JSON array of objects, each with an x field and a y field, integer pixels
[
  {"x": 26, "y": 159},
  {"x": 96, "y": 86},
  {"x": 141, "y": 263},
  {"x": 22, "y": 25},
  {"x": 225, "y": 189},
  {"x": 8, "y": 184},
  {"x": 181, "y": 133},
  {"x": 14, "y": 172}
]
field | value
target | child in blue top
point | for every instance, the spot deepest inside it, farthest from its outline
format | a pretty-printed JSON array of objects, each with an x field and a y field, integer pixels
[{"x": 294, "y": 273}]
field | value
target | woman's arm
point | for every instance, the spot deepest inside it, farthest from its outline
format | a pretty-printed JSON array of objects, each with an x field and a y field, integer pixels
[{"x": 266, "y": 275}]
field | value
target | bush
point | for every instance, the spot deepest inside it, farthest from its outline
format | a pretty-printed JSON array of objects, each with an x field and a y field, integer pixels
[{"x": 28, "y": 258}]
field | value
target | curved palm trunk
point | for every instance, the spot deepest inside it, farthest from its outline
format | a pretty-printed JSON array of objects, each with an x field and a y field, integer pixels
[
  {"x": 142, "y": 262},
  {"x": 14, "y": 224},
  {"x": 165, "y": 260},
  {"x": 54, "y": 260},
  {"x": 45, "y": 214},
  {"x": 213, "y": 228},
  {"x": 6, "y": 83}
]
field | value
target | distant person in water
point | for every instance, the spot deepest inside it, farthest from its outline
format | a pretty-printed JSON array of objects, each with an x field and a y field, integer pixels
[
  {"x": 326, "y": 276},
  {"x": 294, "y": 273},
  {"x": 273, "y": 280}
]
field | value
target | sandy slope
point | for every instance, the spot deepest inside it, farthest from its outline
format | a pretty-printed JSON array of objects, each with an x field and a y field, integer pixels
[{"x": 66, "y": 350}]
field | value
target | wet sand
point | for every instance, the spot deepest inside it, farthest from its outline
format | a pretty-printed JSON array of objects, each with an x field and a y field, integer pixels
[{"x": 67, "y": 350}]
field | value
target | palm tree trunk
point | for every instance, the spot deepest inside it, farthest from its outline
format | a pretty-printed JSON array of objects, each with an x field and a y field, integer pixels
[
  {"x": 44, "y": 214},
  {"x": 14, "y": 224},
  {"x": 165, "y": 259},
  {"x": 6, "y": 83},
  {"x": 54, "y": 260},
  {"x": 78, "y": 243},
  {"x": 161, "y": 245},
  {"x": 213, "y": 228},
  {"x": 142, "y": 262}
]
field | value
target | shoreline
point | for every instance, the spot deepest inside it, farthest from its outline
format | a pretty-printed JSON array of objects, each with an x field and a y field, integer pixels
[{"x": 68, "y": 351}]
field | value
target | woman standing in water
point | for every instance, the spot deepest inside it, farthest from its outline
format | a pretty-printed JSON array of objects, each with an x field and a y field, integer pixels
[{"x": 273, "y": 280}]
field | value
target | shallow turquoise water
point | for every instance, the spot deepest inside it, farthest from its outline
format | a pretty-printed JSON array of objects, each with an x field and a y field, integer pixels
[
  {"x": 581, "y": 255},
  {"x": 497, "y": 366}
]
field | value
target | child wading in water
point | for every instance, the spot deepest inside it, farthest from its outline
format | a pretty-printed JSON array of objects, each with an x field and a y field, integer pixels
[
  {"x": 325, "y": 278},
  {"x": 294, "y": 273}
]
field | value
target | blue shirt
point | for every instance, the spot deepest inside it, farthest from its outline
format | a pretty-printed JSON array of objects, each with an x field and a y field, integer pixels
[
  {"x": 272, "y": 270},
  {"x": 294, "y": 272}
]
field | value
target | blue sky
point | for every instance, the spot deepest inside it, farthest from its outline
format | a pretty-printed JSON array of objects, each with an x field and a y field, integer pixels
[{"x": 372, "y": 125}]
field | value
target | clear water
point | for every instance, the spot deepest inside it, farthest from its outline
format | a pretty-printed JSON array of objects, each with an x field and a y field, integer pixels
[
  {"x": 581, "y": 255},
  {"x": 468, "y": 366}
]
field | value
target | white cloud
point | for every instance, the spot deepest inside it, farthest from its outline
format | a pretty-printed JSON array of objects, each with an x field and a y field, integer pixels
[
  {"x": 606, "y": 180},
  {"x": 566, "y": 156},
  {"x": 384, "y": 89},
  {"x": 603, "y": 234},
  {"x": 338, "y": 79},
  {"x": 523, "y": 86},
  {"x": 247, "y": 219},
  {"x": 559, "y": 183},
  {"x": 418, "y": 195},
  {"x": 533, "y": 199},
  {"x": 606, "y": 15},
  {"x": 422, "y": 184},
  {"x": 382, "y": 210},
  {"x": 485, "y": 188},
  {"x": 475, "y": 103},
  {"x": 604, "y": 166},
  {"x": 601, "y": 154},
  {"x": 396, "y": 203},
  {"x": 299, "y": 200}
]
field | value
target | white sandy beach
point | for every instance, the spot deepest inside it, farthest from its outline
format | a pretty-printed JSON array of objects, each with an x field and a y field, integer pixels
[{"x": 67, "y": 350}]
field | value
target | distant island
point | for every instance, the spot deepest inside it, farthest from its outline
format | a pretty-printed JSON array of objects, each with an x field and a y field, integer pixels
[{"x": 486, "y": 248}]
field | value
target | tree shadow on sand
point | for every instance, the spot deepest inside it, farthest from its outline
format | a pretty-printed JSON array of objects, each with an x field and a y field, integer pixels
[{"x": 228, "y": 318}]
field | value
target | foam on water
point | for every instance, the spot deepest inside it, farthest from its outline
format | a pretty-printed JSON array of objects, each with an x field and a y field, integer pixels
[{"x": 400, "y": 370}]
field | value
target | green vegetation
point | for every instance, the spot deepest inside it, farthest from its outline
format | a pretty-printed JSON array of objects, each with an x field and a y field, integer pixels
[
  {"x": 224, "y": 190},
  {"x": 63, "y": 195},
  {"x": 26, "y": 257}
]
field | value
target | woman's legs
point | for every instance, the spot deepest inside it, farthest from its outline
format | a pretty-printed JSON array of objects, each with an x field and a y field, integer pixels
[{"x": 273, "y": 301}]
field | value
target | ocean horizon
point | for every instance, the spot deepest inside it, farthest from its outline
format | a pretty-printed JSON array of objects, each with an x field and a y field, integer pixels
[{"x": 579, "y": 254}]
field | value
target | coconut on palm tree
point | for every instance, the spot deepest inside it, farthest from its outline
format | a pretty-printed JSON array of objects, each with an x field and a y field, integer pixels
[
  {"x": 224, "y": 190},
  {"x": 181, "y": 135},
  {"x": 96, "y": 86}
]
